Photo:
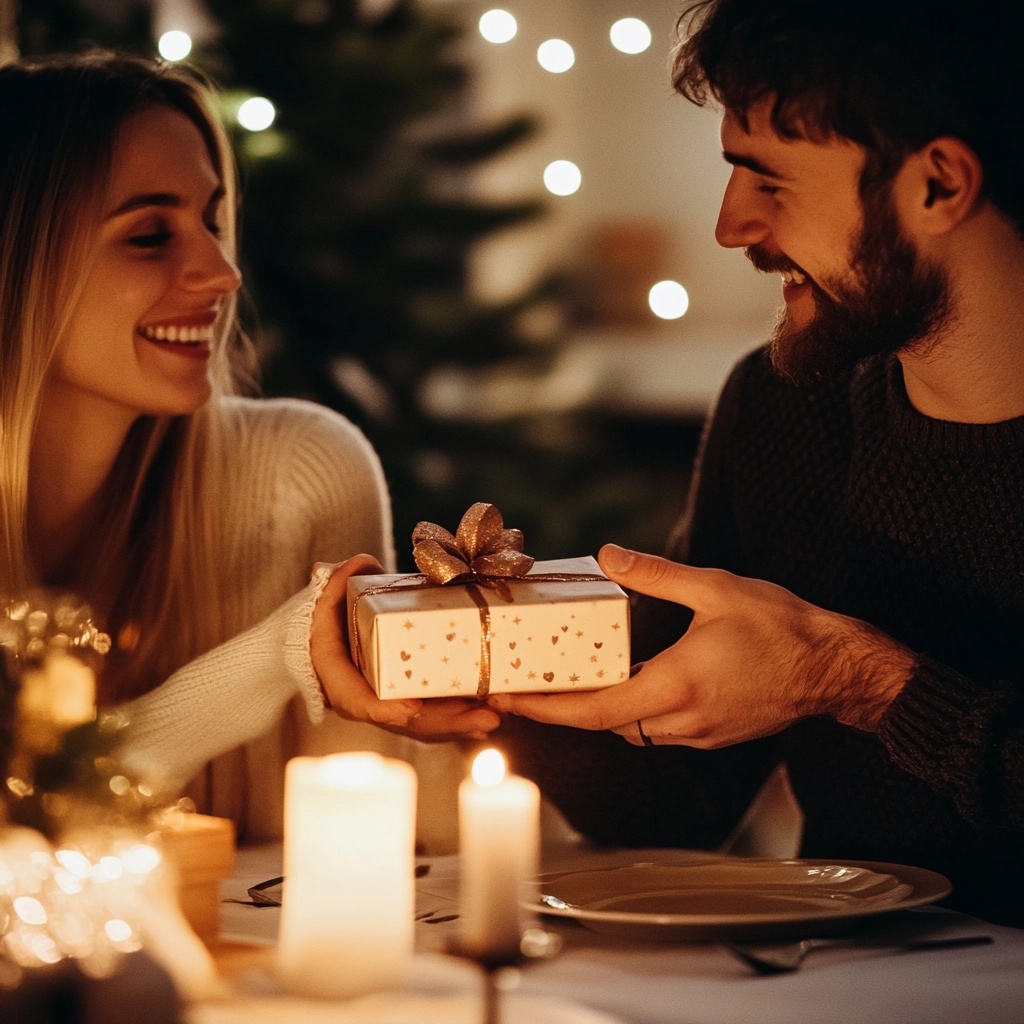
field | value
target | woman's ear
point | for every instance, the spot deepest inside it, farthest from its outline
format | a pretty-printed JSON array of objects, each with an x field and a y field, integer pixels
[{"x": 942, "y": 184}]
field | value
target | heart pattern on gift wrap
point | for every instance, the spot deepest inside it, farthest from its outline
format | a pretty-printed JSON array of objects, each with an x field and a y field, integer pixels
[{"x": 443, "y": 662}]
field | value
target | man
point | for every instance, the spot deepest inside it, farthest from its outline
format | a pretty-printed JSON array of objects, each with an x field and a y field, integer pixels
[{"x": 852, "y": 553}]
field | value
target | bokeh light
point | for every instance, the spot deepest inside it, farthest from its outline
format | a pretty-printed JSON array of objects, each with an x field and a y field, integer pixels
[
  {"x": 668, "y": 300},
  {"x": 256, "y": 113},
  {"x": 630, "y": 35},
  {"x": 174, "y": 45},
  {"x": 562, "y": 177},
  {"x": 556, "y": 56},
  {"x": 498, "y": 26}
]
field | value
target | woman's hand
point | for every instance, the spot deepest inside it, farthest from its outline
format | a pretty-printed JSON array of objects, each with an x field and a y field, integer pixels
[{"x": 351, "y": 696}]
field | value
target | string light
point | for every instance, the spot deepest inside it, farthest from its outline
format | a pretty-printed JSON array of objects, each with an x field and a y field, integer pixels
[
  {"x": 256, "y": 114},
  {"x": 174, "y": 45},
  {"x": 630, "y": 35},
  {"x": 562, "y": 177},
  {"x": 556, "y": 56},
  {"x": 668, "y": 300},
  {"x": 498, "y": 26}
]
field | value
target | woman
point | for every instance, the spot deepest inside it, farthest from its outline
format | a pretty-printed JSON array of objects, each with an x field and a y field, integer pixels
[{"x": 135, "y": 476}]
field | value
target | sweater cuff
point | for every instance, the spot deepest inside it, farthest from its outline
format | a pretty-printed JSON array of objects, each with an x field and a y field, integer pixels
[
  {"x": 297, "y": 657},
  {"x": 927, "y": 719}
]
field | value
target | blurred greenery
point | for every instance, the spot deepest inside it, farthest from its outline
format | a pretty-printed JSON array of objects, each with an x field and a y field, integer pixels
[{"x": 359, "y": 220}]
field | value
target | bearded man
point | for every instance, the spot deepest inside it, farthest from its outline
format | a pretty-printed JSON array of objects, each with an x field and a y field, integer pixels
[{"x": 845, "y": 592}]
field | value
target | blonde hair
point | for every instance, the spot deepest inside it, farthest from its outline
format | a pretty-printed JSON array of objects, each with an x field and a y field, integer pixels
[{"x": 156, "y": 563}]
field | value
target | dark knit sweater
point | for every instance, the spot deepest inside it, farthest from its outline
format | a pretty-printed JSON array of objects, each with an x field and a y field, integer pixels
[{"x": 844, "y": 494}]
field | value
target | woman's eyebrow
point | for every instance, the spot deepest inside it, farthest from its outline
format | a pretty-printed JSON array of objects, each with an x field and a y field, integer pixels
[{"x": 161, "y": 199}]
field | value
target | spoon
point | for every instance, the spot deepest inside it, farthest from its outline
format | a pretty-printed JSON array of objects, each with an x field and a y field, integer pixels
[{"x": 783, "y": 958}]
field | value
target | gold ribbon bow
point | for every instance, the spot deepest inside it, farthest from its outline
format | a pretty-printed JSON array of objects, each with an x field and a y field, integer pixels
[{"x": 482, "y": 551}]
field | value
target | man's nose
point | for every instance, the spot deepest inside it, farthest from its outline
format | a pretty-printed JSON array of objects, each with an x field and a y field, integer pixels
[{"x": 739, "y": 221}]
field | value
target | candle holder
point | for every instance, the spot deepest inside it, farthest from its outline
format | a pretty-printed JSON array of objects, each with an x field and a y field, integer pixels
[{"x": 536, "y": 944}]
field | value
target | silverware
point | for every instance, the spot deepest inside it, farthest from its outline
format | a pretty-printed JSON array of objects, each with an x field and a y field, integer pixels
[{"x": 779, "y": 959}]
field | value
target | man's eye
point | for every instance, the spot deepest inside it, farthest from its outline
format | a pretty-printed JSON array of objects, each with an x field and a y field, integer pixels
[
  {"x": 768, "y": 190},
  {"x": 151, "y": 240},
  {"x": 214, "y": 229}
]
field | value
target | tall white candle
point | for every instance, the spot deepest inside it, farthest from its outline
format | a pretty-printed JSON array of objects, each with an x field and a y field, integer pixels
[
  {"x": 499, "y": 844},
  {"x": 349, "y": 864}
]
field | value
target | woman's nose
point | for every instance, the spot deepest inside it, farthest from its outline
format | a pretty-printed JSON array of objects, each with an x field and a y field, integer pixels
[{"x": 209, "y": 268}]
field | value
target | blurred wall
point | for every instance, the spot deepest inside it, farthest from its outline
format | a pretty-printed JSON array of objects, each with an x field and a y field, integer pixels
[{"x": 645, "y": 154}]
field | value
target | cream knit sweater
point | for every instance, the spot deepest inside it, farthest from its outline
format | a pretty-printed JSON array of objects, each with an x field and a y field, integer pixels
[{"x": 305, "y": 486}]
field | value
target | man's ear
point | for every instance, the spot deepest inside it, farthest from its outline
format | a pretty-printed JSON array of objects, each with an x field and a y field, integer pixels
[{"x": 942, "y": 184}]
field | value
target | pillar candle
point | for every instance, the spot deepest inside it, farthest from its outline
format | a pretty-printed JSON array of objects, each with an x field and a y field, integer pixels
[
  {"x": 499, "y": 843},
  {"x": 349, "y": 864}
]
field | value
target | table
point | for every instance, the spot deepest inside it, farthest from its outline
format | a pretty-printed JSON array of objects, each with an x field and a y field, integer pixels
[{"x": 612, "y": 980}]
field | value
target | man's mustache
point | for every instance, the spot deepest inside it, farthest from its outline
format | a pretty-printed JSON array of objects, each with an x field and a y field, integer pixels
[{"x": 768, "y": 262}]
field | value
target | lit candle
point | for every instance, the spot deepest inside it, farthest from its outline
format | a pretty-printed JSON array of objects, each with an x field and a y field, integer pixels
[
  {"x": 499, "y": 844},
  {"x": 348, "y": 897}
]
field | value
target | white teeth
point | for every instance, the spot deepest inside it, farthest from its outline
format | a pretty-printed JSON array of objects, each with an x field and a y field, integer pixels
[
  {"x": 178, "y": 335},
  {"x": 793, "y": 277}
]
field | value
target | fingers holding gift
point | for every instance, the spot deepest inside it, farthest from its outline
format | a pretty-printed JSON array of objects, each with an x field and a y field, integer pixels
[
  {"x": 345, "y": 689},
  {"x": 448, "y": 718}
]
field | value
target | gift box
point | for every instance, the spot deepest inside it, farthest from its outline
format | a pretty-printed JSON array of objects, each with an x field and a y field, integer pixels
[{"x": 484, "y": 618}]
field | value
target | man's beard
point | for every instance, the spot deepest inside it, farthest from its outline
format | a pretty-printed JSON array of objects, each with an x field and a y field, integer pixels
[{"x": 894, "y": 300}]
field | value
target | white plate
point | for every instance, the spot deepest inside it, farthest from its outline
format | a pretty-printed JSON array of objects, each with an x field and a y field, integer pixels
[{"x": 702, "y": 898}]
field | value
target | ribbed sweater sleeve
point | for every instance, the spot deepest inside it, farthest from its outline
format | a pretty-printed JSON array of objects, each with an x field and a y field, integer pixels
[
  {"x": 306, "y": 487},
  {"x": 229, "y": 695}
]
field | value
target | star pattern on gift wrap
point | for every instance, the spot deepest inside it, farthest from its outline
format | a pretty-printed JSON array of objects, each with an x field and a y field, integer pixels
[
  {"x": 574, "y": 678},
  {"x": 579, "y": 633},
  {"x": 408, "y": 624}
]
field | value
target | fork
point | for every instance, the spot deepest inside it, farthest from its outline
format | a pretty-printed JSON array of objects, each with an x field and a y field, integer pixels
[{"x": 780, "y": 959}]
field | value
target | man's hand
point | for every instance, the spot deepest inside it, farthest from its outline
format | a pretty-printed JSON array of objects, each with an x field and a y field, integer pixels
[
  {"x": 351, "y": 696},
  {"x": 755, "y": 659}
]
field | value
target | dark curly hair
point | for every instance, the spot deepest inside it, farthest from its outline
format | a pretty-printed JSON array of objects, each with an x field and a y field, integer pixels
[{"x": 890, "y": 75}]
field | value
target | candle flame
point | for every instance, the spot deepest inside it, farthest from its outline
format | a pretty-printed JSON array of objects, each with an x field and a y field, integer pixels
[{"x": 488, "y": 767}]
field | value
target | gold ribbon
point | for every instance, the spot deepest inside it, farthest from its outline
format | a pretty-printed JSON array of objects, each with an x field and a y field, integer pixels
[{"x": 482, "y": 553}]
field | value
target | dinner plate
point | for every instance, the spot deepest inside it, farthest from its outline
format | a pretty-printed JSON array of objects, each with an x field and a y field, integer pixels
[{"x": 700, "y": 899}]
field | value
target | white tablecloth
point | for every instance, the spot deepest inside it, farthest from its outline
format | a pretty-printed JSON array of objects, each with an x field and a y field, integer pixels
[{"x": 596, "y": 978}]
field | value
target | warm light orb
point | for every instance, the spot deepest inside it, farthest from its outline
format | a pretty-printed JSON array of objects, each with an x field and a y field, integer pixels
[
  {"x": 498, "y": 26},
  {"x": 118, "y": 930},
  {"x": 174, "y": 45},
  {"x": 488, "y": 767},
  {"x": 30, "y": 910},
  {"x": 256, "y": 114},
  {"x": 562, "y": 177},
  {"x": 630, "y": 35},
  {"x": 555, "y": 55},
  {"x": 668, "y": 300}
]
